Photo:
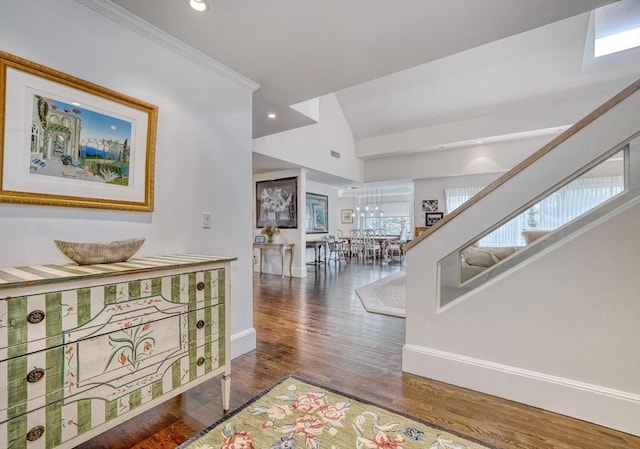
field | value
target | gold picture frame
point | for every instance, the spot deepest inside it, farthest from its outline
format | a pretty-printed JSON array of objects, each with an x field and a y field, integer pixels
[{"x": 68, "y": 142}]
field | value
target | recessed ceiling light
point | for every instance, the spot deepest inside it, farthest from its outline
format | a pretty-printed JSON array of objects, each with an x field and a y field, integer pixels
[
  {"x": 271, "y": 115},
  {"x": 198, "y": 5}
]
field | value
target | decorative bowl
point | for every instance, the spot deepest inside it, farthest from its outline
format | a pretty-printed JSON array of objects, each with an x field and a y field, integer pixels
[{"x": 94, "y": 253}]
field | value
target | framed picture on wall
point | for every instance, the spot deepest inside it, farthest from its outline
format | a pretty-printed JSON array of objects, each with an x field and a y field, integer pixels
[
  {"x": 346, "y": 216},
  {"x": 276, "y": 202},
  {"x": 316, "y": 217},
  {"x": 432, "y": 218},
  {"x": 69, "y": 142},
  {"x": 430, "y": 205}
]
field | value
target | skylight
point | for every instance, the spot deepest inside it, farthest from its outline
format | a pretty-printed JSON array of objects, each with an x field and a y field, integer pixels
[{"x": 617, "y": 27}]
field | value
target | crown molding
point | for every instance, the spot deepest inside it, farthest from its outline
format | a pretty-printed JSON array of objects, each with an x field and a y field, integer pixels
[{"x": 128, "y": 20}]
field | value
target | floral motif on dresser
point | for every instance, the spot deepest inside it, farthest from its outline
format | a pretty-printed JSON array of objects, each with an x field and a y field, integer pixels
[
  {"x": 127, "y": 346},
  {"x": 133, "y": 344},
  {"x": 69, "y": 354},
  {"x": 108, "y": 348}
]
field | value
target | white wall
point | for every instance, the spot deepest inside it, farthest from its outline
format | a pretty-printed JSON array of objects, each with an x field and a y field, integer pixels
[
  {"x": 560, "y": 331},
  {"x": 476, "y": 159},
  {"x": 544, "y": 113},
  {"x": 562, "y": 334},
  {"x": 344, "y": 202},
  {"x": 203, "y": 152},
  {"x": 310, "y": 146},
  {"x": 433, "y": 189},
  {"x": 271, "y": 260},
  {"x": 434, "y": 171}
]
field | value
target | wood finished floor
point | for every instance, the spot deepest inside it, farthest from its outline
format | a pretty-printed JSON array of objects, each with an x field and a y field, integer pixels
[{"x": 316, "y": 327}]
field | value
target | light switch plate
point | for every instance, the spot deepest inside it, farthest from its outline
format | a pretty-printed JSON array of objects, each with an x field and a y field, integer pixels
[{"x": 206, "y": 220}]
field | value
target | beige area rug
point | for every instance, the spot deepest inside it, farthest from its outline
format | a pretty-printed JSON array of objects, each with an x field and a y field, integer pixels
[
  {"x": 296, "y": 414},
  {"x": 386, "y": 296}
]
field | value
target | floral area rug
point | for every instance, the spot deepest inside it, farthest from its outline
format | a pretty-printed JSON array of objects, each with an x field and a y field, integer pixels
[{"x": 296, "y": 414}]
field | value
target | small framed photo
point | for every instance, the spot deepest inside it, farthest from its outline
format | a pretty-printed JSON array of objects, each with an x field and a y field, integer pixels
[
  {"x": 346, "y": 216},
  {"x": 432, "y": 218},
  {"x": 430, "y": 205},
  {"x": 260, "y": 239}
]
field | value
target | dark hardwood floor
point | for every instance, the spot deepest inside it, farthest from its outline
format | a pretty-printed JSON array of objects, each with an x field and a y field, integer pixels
[{"x": 316, "y": 327}]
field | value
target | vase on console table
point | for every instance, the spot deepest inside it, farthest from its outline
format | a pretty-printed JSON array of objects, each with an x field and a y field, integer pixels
[{"x": 270, "y": 229}]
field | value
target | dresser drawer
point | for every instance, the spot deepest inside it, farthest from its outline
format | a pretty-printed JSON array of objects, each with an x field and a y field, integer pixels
[
  {"x": 103, "y": 343},
  {"x": 36, "y": 322},
  {"x": 68, "y": 418},
  {"x": 133, "y": 354}
]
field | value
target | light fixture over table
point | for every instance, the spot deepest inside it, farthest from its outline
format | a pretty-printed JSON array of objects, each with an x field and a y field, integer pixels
[{"x": 368, "y": 202}]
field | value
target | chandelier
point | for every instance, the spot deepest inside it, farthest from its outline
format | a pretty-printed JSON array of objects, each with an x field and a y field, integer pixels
[{"x": 367, "y": 202}]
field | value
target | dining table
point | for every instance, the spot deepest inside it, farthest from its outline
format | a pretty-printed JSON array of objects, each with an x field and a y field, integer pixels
[{"x": 380, "y": 238}]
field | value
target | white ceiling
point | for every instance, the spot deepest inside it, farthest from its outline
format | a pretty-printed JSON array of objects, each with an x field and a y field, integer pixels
[
  {"x": 395, "y": 65},
  {"x": 301, "y": 49}
]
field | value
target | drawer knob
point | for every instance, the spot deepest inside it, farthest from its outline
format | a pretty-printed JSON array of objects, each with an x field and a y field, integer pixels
[
  {"x": 35, "y": 375},
  {"x": 200, "y": 285},
  {"x": 200, "y": 324},
  {"x": 200, "y": 361},
  {"x": 35, "y": 433},
  {"x": 35, "y": 317}
]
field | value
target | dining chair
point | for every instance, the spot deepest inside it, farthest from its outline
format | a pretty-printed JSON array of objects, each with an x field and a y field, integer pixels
[
  {"x": 371, "y": 247},
  {"x": 356, "y": 247},
  {"x": 337, "y": 251},
  {"x": 393, "y": 248}
]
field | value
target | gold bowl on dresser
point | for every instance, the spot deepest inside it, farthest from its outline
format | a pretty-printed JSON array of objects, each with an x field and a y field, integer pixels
[{"x": 95, "y": 253}]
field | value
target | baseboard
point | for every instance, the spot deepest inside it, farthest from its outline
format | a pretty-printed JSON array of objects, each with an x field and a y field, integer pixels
[
  {"x": 299, "y": 272},
  {"x": 296, "y": 272},
  {"x": 599, "y": 405},
  {"x": 243, "y": 342}
]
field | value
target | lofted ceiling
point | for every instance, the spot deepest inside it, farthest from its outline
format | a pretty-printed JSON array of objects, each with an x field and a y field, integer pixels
[
  {"x": 301, "y": 49},
  {"x": 395, "y": 65}
]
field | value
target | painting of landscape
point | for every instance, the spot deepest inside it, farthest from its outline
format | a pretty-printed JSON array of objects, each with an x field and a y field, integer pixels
[{"x": 69, "y": 140}]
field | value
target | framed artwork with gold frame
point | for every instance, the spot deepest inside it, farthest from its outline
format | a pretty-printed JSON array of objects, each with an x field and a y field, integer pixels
[{"x": 68, "y": 142}]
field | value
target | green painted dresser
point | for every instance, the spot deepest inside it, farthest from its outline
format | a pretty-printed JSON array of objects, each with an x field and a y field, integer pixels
[{"x": 84, "y": 348}]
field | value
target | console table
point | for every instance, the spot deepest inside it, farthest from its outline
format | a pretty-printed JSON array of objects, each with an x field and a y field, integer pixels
[
  {"x": 283, "y": 247},
  {"x": 85, "y": 348}
]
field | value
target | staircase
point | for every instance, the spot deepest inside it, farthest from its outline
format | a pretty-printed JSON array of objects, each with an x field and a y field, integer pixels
[{"x": 560, "y": 329}]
